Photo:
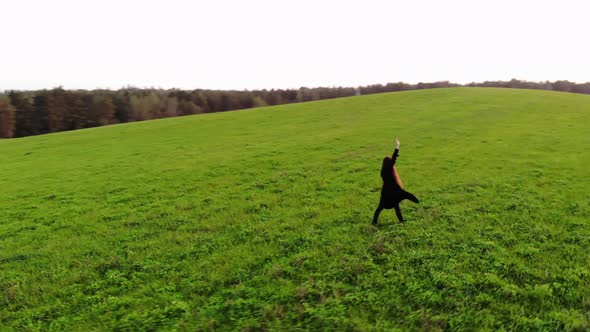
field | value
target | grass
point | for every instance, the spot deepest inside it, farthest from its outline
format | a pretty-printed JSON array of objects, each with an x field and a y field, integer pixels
[{"x": 260, "y": 219}]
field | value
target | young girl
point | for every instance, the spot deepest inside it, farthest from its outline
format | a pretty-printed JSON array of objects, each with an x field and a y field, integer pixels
[{"x": 392, "y": 192}]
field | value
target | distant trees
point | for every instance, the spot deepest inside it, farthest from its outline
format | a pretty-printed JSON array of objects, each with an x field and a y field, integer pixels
[
  {"x": 123, "y": 111},
  {"x": 187, "y": 107},
  {"x": 563, "y": 86},
  {"x": 7, "y": 118},
  {"x": 28, "y": 121},
  {"x": 26, "y": 113},
  {"x": 101, "y": 111},
  {"x": 581, "y": 88},
  {"x": 76, "y": 112}
]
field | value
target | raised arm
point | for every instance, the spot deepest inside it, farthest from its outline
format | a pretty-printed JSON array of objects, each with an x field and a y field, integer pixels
[{"x": 396, "y": 151}]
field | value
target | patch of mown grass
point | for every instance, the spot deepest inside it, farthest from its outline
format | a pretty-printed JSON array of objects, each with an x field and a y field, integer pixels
[{"x": 260, "y": 219}]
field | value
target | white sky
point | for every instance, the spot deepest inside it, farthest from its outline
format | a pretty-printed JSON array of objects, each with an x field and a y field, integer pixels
[{"x": 255, "y": 44}]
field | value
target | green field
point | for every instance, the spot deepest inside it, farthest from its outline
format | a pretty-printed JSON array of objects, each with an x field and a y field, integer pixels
[{"x": 260, "y": 219}]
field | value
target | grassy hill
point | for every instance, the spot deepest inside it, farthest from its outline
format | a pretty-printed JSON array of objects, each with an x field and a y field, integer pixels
[{"x": 260, "y": 219}]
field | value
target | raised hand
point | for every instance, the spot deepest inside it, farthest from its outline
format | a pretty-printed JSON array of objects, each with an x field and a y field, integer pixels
[{"x": 397, "y": 143}]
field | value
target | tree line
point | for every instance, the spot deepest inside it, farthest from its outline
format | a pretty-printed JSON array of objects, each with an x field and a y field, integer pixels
[{"x": 27, "y": 113}]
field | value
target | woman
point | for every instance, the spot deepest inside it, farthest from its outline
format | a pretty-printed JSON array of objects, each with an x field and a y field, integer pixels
[{"x": 392, "y": 192}]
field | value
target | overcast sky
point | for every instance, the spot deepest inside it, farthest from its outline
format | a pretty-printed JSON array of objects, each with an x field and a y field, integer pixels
[{"x": 287, "y": 44}]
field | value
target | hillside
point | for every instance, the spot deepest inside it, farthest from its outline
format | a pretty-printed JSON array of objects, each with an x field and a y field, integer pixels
[{"x": 260, "y": 219}]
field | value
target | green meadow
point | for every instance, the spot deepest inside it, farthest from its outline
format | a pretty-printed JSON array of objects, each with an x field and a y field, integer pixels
[{"x": 261, "y": 219}]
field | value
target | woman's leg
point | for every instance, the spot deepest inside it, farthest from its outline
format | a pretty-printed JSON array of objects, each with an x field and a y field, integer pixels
[
  {"x": 398, "y": 180},
  {"x": 407, "y": 195},
  {"x": 398, "y": 213},
  {"x": 377, "y": 212}
]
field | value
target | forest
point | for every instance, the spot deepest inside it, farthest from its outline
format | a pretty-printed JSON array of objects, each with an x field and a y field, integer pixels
[{"x": 27, "y": 113}]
